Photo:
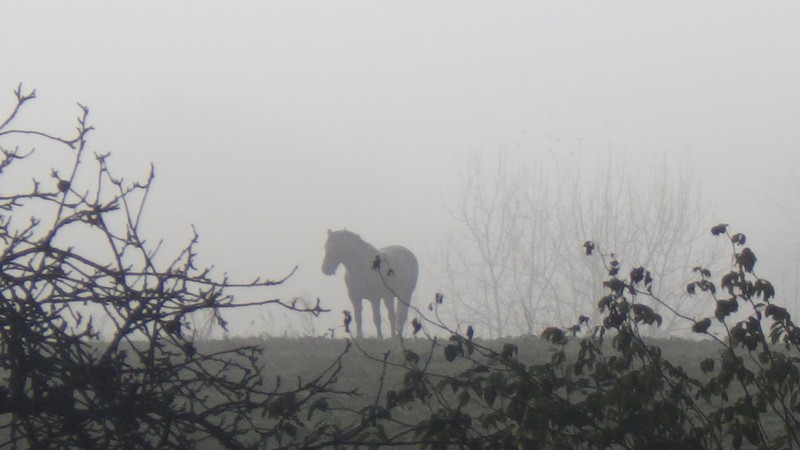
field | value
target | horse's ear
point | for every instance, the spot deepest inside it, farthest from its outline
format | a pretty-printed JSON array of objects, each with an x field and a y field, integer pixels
[{"x": 330, "y": 232}]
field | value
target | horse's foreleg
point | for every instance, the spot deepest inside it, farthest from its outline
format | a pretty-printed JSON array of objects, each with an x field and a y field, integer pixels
[
  {"x": 390, "y": 312},
  {"x": 357, "y": 312},
  {"x": 376, "y": 316}
]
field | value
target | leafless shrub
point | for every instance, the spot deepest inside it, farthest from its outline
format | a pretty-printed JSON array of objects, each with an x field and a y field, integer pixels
[{"x": 72, "y": 257}]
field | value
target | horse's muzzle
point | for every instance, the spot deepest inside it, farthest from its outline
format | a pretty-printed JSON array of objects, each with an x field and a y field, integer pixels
[{"x": 329, "y": 270}]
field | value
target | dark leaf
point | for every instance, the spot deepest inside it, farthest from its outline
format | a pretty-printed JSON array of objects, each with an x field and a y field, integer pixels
[
  {"x": 614, "y": 269},
  {"x": 637, "y": 275},
  {"x": 701, "y": 326},
  {"x": 605, "y": 302},
  {"x": 776, "y": 312},
  {"x": 347, "y": 319},
  {"x": 764, "y": 288},
  {"x": 615, "y": 285},
  {"x": 707, "y": 286},
  {"x": 416, "y": 325},
  {"x": 554, "y": 335},
  {"x": 411, "y": 356},
  {"x": 451, "y": 352},
  {"x": 707, "y": 365},
  {"x": 725, "y": 308},
  {"x": 702, "y": 271},
  {"x": 641, "y": 310},
  {"x": 738, "y": 239},
  {"x": 722, "y": 228},
  {"x": 729, "y": 281},
  {"x": 645, "y": 314},
  {"x": 509, "y": 351},
  {"x": 614, "y": 320},
  {"x": 746, "y": 259}
]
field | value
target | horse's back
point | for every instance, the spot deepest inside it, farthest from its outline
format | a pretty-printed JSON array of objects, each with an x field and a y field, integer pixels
[{"x": 403, "y": 264}]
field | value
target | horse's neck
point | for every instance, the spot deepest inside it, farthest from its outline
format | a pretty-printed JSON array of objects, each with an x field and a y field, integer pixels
[{"x": 359, "y": 255}]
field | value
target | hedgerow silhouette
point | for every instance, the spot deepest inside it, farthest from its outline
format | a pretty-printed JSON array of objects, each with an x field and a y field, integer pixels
[
  {"x": 605, "y": 386},
  {"x": 97, "y": 347}
]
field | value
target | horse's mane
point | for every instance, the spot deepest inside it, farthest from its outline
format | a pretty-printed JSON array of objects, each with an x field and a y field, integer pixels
[
  {"x": 351, "y": 237},
  {"x": 350, "y": 234}
]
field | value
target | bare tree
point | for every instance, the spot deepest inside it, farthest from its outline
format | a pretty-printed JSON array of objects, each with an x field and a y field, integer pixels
[
  {"x": 72, "y": 256},
  {"x": 513, "y": 263},
  {"x": 483, "y": 271}
]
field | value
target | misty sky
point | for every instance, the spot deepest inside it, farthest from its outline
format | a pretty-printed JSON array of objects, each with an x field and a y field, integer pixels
[{"x": 270, "y": 122}]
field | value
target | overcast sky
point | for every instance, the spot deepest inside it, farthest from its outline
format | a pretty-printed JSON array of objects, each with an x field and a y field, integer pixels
[{"x": 270, "y": 122}]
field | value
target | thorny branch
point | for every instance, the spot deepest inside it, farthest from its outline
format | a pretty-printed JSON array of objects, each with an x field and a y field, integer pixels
[{"x": 98, "y": 351}]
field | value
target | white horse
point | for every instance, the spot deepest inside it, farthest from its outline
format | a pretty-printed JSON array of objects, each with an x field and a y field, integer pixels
[{"x": 373, "y": 274}]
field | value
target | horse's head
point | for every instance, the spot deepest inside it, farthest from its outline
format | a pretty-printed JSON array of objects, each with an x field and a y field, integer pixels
[
  {"x": 347, "y": 248},
  {"x": 332, "y": 255}
]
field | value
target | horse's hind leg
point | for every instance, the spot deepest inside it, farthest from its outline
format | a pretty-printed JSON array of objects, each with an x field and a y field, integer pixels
[
  {"x": 391, "y": 314},
  {"x": 403, "y": 306},
  {"x": 376, "y": 316}
]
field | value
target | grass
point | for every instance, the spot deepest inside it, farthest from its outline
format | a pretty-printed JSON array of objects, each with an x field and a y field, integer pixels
[
  {"x": 363, "y": 369},
  {"x": 298, "y": 360},
  {"x": 303, "y": 357}
]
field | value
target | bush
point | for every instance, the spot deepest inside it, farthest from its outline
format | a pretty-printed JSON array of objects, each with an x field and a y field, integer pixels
[
  {"x": 605, "y": 386},
  {"x": 73, "y": 257}
]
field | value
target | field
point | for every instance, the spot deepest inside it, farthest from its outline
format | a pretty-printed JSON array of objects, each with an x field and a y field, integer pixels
[
  {"x": 302, "y": 358},
  {"x": 295, "y": 361},
  {"x": 293, "y": 357}
]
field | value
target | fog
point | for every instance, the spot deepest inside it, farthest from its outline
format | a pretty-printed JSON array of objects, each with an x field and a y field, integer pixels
[{"x": 271, "y": 122}]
